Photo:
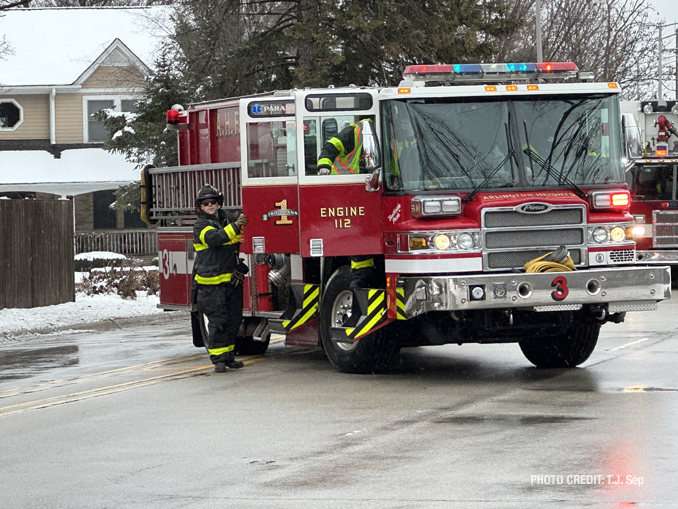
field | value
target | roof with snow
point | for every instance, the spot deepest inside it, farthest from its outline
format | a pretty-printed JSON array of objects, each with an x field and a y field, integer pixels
[
  {"x": 62, "y": 45},
  {"x": 78, "y": 171}
]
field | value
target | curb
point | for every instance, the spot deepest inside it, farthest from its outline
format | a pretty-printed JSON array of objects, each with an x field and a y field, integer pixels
[{"x": 104, "y": 325}]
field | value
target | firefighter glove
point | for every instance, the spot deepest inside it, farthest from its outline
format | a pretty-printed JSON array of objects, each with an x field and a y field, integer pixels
[
  {"x": 239, "y": 273},
  {"x": 324, "y": 171}
]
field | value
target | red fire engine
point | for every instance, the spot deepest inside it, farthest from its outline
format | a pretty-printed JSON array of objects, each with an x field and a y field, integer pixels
[
  {"x": 652, "y": 139},
  {"x": 472, "y": 175}
]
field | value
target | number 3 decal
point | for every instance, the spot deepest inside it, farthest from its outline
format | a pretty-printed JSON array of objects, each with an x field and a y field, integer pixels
[{"x": 561, "y": 290}]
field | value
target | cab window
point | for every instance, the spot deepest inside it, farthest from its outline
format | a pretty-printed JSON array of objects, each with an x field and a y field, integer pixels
[
  {"x": 318, "y": 131},
  {"x": 271, "y": 149}
]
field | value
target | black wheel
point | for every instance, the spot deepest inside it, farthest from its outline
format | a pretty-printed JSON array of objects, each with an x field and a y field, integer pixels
[
  {"x": 369, "y": 354},
  {"x": 197, "y": 330},
  {"x": 245, "y": 345},
  {"x": 566, "y": 350}
]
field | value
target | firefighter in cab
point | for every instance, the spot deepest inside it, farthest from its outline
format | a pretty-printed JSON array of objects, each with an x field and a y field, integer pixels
[
  {"x": 218, "y": 275},
  {"x": 343, "y": 155}
]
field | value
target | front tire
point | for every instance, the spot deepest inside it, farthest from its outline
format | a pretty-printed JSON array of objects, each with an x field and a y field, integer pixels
[
  {"x": 566, "y": 350},
  {"x": 371, "y": 353}
]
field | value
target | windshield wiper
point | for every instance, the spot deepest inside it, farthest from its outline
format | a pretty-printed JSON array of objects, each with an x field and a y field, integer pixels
[
  {"x": 553, "y": 172},
  {"x": 550, "y": 170},
  {"x": 511, "y": 156},
  {"x": 472, "y": 194}
]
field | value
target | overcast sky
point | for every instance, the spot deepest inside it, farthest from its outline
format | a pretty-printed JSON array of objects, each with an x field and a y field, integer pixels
[
  {"x": 54, "y": 46},
  {"x": 668, "y": 9}
]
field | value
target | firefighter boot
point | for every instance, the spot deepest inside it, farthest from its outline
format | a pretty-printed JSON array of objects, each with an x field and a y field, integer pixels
[
  {"x": 232, "y": 363},
  {"x": 220, "y": 367}
]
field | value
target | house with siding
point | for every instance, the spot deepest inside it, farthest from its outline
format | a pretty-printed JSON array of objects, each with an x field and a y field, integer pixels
[{"x": 50, "y": 85}]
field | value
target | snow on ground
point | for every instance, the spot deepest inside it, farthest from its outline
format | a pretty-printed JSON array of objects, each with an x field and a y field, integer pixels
[{"x": 85, "y": 309}]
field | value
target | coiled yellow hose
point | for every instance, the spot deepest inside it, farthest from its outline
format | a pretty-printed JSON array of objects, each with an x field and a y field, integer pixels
[{"x": 541, "y": 265}]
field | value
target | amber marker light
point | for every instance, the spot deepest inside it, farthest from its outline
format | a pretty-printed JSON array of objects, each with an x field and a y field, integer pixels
[
  {"x": 404, "y": 90},
  {"x": 417, "y": 243},
  {"x": 490, "y": 88},
  {"x": 612, "y": 85},
  {"x": 511, "y": 88},
  {"x": 533, "y": 87}
]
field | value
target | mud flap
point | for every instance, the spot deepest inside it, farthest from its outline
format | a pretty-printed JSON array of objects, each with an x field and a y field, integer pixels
[
  {"x": 369, "y": 314},
  {"x": 304, "y": 306}
]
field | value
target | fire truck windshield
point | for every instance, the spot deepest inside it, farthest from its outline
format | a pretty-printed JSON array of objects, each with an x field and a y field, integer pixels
[{"x": 455, "y": 144}]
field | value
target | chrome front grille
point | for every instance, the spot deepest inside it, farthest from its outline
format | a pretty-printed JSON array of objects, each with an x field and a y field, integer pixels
[
  {"x": 512, "y": 238},
  {"x": 534, "y": 238},
  {"x": 510, "y": 259},
  {"x": 513, "y": 219},
  {"x": 665, "y": 228}
]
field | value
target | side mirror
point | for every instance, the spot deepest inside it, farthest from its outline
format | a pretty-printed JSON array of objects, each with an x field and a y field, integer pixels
[{"x": 370, "y": 156}]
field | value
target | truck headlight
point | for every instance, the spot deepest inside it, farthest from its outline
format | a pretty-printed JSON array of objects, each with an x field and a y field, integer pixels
[
  {"x": 618, "y": 234},
  {"x": 600, "y": 235},
  {"x": 638, "y": 231},
  {"x": 441, "y": 242},
  {"x": 465, "y": 241}
]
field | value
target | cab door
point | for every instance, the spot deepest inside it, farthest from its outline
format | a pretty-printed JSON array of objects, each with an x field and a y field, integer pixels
[
  {"x": 269, "y": 175},
  {"x": 338, "y": 215}
]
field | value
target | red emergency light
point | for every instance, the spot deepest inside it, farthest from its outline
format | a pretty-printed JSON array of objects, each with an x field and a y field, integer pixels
[
  {"x": 556, "y": 66},
  {"x": 172, "y": 117},
  {"x": 611, "y": 200}
]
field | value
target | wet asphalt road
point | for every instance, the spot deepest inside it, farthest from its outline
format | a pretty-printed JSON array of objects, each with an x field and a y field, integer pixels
[{"x": 135, "y": 418}]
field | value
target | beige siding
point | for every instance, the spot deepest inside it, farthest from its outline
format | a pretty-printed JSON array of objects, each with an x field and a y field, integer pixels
[
  {"x": 69, "y": 118},
  {"x": 128, "y": 78},
  {"x": 36, "y": 118}
]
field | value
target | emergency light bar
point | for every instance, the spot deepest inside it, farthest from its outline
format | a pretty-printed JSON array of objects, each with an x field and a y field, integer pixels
[{"x": 490, "y": 72}]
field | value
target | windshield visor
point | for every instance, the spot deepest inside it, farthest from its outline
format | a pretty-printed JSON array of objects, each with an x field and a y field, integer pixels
[{"x": 540, "y": 141}]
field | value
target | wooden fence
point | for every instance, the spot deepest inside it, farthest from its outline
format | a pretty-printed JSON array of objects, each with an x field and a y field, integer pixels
[
  {"x": 36, "y": 253},
  {"x": 128, "y": 242}
]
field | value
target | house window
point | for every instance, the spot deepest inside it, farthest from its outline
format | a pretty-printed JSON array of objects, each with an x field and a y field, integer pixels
[
  {"x": 95, "y": 131},
  {"x": 104, "y": 215},
  {"x": 11, "y": 115}
]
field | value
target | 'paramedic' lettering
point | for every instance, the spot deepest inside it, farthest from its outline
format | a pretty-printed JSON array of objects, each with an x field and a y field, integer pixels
[{"x": 342, "y": 211}]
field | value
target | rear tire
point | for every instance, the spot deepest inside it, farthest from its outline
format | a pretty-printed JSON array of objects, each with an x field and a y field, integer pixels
[
  {"x": 371, "y": 353},
  {"x": 566, "y": 350}
]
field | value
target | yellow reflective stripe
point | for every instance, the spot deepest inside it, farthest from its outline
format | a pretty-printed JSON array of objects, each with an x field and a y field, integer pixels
[
  {"x": 312, "y": 296},
  {"x": 338, "y": 145},
  {"x": 372, "y": 323},
  {"x": 236, "y": 239},
  {"x": 324, "y": 161},
  {"x": 361, "y": 265},
  {"x": 230, "y": 231},
  {"x": 219, "y": 351},
  {"x": 399, "y": 302},
  {"x": 223, "y": 278},
  {"x": 305, "y": 318},
  {"x": 203, "y": 232},
  {"x": 199, "y": 247},
  {"x": 377, "y": 302}
]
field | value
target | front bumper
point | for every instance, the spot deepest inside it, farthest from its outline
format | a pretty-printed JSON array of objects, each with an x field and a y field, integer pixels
[
  {"x": 657, "y": 256},
  {"x": 622, "y": 289}
]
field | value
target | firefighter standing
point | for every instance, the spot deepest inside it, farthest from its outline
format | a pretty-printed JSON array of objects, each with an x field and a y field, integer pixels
[
  {"x": 218, "y": 275},
  {"x": 341, "y": 155}
]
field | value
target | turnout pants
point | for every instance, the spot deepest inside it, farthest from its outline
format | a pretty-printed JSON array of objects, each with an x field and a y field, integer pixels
[{"x": 222, "y": 304}]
